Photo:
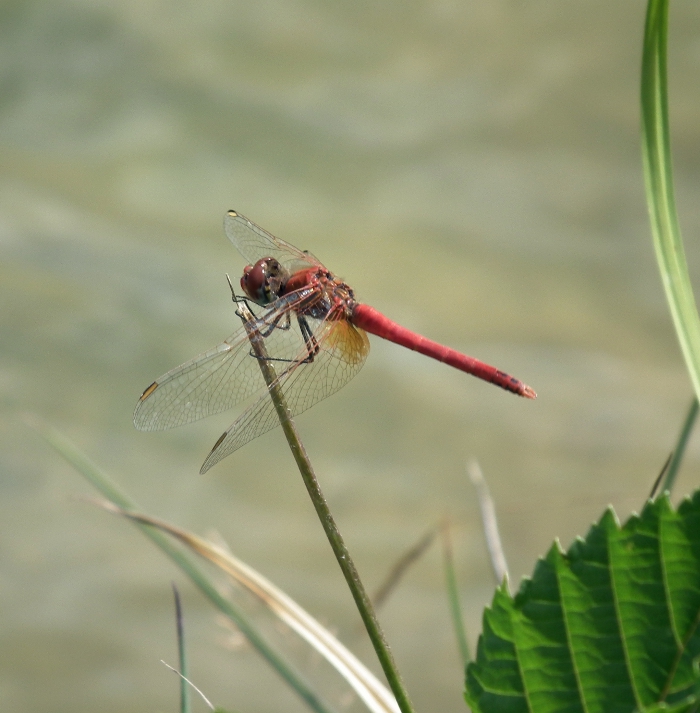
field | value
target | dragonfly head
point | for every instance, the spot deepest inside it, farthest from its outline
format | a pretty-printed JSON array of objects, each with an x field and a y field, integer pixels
[{"x": 264, "y": 281}]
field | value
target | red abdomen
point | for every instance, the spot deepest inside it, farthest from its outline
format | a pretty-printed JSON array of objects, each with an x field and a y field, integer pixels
[{"x": 376, "y": 323}]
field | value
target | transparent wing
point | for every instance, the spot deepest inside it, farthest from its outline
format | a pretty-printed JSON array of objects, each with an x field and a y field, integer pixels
[
  {"x": 343, "y": 350},
  {"x": 255, "y": 243},
  {"x": 216, "y": 380}
]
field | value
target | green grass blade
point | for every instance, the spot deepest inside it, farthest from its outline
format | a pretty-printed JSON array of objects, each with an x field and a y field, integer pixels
[
  {"x": 99, "y": 479},
  {"x": 658, "y": 174},
  {"x": 182, "y": 653},
  {"x": 453, "y": 597}
]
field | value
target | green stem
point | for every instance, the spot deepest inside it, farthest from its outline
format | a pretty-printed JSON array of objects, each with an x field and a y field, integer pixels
[{"x": 346, "y": 563}]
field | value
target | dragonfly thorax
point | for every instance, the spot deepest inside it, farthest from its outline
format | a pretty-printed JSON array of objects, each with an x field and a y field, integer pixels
[
  {"x": 319, "y": 293},
  {"x": 264, "y": 282}
]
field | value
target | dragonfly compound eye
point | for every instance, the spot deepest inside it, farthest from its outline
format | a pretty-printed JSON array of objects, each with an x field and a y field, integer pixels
[{"x": 263, "y": 282}]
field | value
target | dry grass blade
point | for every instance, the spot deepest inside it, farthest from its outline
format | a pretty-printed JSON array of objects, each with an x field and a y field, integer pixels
[
  {"x": 189, "y": 683},
  {"x": 374, "y": 694},
  {"x": 412, "y": 555},
  {"x": 489, "y": 521}
]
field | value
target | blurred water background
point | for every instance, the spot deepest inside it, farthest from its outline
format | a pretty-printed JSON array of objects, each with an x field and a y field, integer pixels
[{"x": 471, "y": 168}]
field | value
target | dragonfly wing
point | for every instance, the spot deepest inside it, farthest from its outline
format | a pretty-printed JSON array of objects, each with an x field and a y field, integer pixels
[
  {"x": 342, "y": 351},
  {"x": 214, "y": 381},
  {"x": 255, "y": 243}
]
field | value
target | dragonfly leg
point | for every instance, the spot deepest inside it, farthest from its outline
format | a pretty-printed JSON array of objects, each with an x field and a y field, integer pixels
[
  {"x": 311, "y": 343},
  {"x": 276, "y": 325},
  {"x": 270, "y": 328},
  {"x": 236, "y": 299},
  {"x": 309, "y": 339}
]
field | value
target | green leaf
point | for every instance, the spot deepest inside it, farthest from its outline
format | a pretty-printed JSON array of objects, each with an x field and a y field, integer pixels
[{"x": 612, "y": 625}]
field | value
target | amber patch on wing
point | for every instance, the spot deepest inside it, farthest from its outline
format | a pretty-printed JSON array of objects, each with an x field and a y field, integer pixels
[{"x": 351, "y": 344}]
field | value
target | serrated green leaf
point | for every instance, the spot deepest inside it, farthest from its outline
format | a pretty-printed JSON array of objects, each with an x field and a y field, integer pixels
[{"x": 611, "y": 626}]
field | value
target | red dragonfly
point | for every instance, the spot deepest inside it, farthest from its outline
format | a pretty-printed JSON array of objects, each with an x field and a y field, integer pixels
[{"x": 314, "y": 332}]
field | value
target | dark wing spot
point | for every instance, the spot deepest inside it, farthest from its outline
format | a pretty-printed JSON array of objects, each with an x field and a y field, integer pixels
[
  {"x": 218, "y": 443},
  {"x": 149, "y": 391}
]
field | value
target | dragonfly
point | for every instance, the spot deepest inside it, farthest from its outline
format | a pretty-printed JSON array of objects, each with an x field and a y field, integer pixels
[{"x": 315, "y": 335}]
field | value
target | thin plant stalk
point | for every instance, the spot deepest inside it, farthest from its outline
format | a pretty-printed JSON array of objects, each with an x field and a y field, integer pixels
[
  {"x": 658, "y": 175},
  {"x": 679, "y": 451},
  {"x": 347, "y": 566},
  {"x": 453, "y": 595}
]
